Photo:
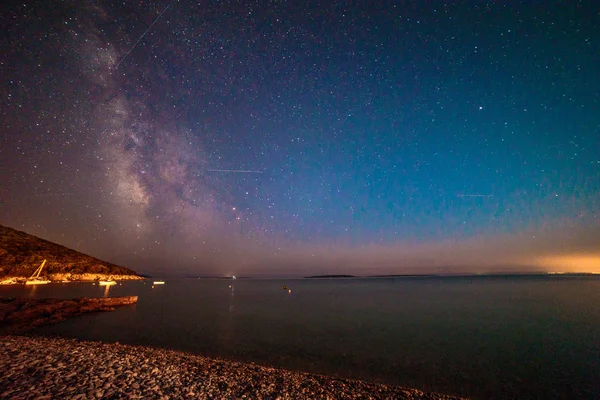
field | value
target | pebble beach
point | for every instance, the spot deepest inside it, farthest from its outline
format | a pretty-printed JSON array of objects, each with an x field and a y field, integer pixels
[{"x": 50, "y": 368}]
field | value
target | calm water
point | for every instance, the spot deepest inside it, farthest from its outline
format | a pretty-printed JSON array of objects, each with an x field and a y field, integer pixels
[{"x": 500, "y": 337}]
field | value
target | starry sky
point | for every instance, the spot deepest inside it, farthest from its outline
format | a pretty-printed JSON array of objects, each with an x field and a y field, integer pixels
[{"x": 286, "y": 138}]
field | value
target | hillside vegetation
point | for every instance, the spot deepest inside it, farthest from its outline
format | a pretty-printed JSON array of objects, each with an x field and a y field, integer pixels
[{"x": 21, "y": 254}]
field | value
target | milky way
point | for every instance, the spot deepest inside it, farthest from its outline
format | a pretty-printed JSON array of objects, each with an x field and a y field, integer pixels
[{"x": 289, "y": 138}]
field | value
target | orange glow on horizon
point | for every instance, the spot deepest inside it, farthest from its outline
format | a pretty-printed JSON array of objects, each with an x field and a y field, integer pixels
[{"x": 589, "y": 263}]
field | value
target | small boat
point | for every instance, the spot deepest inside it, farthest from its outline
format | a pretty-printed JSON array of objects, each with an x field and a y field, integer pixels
[
  {"x": 107, "y": 283},
  {"x": 35, "y": 278},
  {"x": 159, "y": 282}
]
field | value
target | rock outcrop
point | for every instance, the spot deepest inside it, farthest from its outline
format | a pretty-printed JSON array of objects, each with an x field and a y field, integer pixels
[{"x": 21, "y": 315}]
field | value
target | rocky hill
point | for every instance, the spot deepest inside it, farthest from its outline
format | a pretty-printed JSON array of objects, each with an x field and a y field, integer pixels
[{"x": 21, "y": 254}]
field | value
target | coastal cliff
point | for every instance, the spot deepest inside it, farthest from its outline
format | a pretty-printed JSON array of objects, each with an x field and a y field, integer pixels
[{"x": 21, "y": 254}]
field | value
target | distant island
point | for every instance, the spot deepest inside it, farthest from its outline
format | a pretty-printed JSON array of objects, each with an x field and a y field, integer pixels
[
  {"x": 21, "y": 254},
  {"x": 524, "y": 274}
]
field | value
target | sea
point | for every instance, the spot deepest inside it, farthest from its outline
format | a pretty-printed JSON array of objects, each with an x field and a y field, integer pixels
[{"x": 483, "y": 337}]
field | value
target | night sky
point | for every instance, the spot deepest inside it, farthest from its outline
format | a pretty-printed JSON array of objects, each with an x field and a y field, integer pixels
[{"x": 285, "y": 138}]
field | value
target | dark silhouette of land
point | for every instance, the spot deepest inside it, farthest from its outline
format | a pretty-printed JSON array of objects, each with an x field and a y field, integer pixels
[{"x": 21, "y": 315}]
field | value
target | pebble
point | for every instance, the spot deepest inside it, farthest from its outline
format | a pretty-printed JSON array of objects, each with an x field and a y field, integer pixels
[{"x": 36, "y": 368}]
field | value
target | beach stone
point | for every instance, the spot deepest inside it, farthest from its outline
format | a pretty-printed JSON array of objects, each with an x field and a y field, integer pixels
[{"x": 156, "y": 373}]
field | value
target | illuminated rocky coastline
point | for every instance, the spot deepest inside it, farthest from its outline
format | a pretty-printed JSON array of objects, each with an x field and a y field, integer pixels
[
  {"x": 69, "y": 277},
  {"x": 21, "y": 253}
]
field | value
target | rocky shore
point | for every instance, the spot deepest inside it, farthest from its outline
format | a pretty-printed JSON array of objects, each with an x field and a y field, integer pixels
[
  {"x": 72, "y": 277},
  {"x": 49, "y": 368},
  {"x": 19, "y": 315},
  {"x": 90, "y": 277}
]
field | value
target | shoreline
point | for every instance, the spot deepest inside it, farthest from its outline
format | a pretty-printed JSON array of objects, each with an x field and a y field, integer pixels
[
  {"x": 59, "y": 368},
  {"x": 72, "y": 278}
]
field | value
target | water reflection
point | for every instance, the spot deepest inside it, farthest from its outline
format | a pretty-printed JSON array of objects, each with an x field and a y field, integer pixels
[
  {"x": 31, "y": 293},
  {"x": 232, "y": 298}
]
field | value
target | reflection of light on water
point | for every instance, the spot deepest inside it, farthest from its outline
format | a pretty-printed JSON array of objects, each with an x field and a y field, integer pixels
[
  {"x": 231, "y": 298},
  {"x": 106, "y": 290},
  {"x": 33, "y": 290}
]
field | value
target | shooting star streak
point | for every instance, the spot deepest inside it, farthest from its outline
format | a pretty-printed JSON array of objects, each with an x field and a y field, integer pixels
[
  {"x": 143, "y": 34},
  {"x": 237, "y": 171},
  {"x": 54, "y": 194}
]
